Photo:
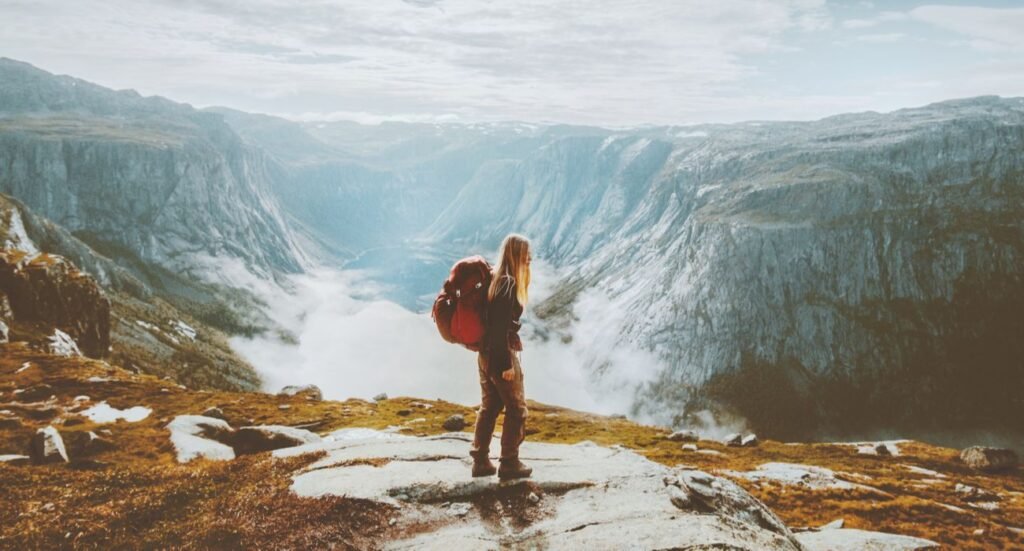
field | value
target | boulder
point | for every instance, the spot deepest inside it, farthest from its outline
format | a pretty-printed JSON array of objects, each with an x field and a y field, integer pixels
[
  {"x": 48, "y": 447},
  {"x": 214, "y": 412},
  {"x": 380, "y": 397},
  {"x": 454, "y": 423},
  {"x": 749, "y": 441},
  {"x": 195, "y": 436},
  {"x": 881, "y": 450},
  {"x": 987, "y": 459},
  {"x": 310, "y": 391},
  {"x": 263, "y": 438},
  {"x": 735, "y": 440},
  {"x": 684, "y": 436},
  {"x": 590, "y": 496}
]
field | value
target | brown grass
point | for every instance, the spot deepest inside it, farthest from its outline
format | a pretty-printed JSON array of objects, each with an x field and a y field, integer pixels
[{"x": 140, "y": 497}]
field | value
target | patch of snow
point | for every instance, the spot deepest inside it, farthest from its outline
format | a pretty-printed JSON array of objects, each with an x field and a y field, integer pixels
[
  {"x": 184, "y": 329},
  {"x": 98, "y": 379},
  {"x": 850, "y": 539},
  {"x": 104, "y": 413},
  {"x": 691, "y": 134},
  {"x": 348, "y": 434},
  {"x": 146, "y": 325},
  {"x": 794, "y": 474},
  {"x": 985, "y": 505},
  {"x": 61, "y": 344},
  {"x": 710, "y": 452},
  {"x": 13, "y": 457},
  {"x": 926, "y": 472},
  {"x": 17, "y": 236},
  {"x": 81, "y": 398},
  {"x": 189, "y": 442},
  {"x": 24, "y": 366}
]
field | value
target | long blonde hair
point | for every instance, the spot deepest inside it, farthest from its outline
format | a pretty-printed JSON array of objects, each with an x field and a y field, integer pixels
[{"x": 512, "y": 269}]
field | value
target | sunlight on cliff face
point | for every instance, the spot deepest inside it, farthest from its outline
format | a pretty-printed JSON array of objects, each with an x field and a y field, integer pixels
[{"x": 351, "y": 344}]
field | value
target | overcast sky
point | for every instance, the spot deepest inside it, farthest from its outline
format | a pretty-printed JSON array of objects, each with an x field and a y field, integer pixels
[{"x": 611, "y": 63}]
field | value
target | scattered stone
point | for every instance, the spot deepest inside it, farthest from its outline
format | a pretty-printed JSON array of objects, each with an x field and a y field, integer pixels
[
  {"x": 882, "y": 450},
  {"x": 404, "y": 412},
  {"x": 989, "y": 460},
  {"x": 48, "y": 447},
  {"x": 689, "y": 447},
  {"x": 735, "y": 440},
  {"x": 533, "y": 498},
  {"x": 684, "y": 436},
  {"x": 270, "y": 437},
  {"x": 454, "y": 423},
  {"x": 393, "y": 522},
  {"x": 15, "y": 459},
  {"x": 749, "y": 441},
  {"x": 214, "y": 412},
  {"x": 310, "y": 391},
  {"x": 459, "y": 509},
  {"x": 979, "y": 532},
  {"x": 380, "y": 397}
]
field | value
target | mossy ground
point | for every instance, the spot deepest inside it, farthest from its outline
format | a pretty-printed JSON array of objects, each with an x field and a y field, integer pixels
[{"x": 136, "y": 495}]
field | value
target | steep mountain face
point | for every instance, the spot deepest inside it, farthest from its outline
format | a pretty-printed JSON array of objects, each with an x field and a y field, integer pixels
[
  {"x": 161, "y": 180},
  {"x": 859, "y": 271},
  {"x": 50, "y": 279}
]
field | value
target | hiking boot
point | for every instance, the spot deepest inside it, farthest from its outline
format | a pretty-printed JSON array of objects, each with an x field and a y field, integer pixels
[
  {"x": 513, "y": 468},
  {"x": 483, "y": 467}
]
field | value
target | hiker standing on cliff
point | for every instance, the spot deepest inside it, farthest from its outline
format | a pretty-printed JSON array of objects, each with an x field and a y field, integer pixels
[{"x": 501, "y": 376}]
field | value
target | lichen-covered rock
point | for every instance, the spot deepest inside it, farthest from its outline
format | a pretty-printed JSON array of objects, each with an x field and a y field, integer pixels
[
  {"x": 311, "y": 391},
  {"x": 989, "y": 459},
  {"x": 48, "y": 447}
]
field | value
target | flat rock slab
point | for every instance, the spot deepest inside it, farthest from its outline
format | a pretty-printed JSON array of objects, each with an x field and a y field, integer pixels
[
  {"x": 848, "y": 539},
  {"x": 580, "y": 495}
]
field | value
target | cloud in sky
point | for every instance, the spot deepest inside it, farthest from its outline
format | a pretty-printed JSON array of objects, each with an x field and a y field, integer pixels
[{"x": 615, "y": 63}]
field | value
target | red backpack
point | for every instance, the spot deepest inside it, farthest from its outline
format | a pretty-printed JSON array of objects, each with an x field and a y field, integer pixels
[{"x": 461, "y": 305}]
